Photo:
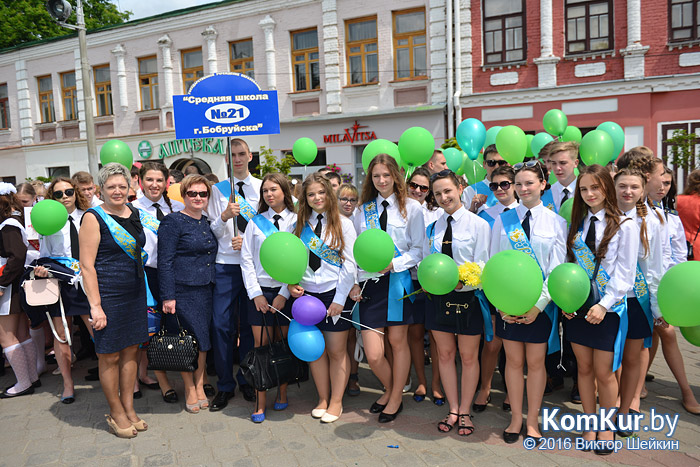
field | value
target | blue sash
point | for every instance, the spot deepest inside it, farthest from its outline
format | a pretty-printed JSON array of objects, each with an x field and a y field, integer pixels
[
  {"x": 264, "y": 224},
  {"x": 247, "y": 211},
  {"x": 548, "y": 201},
  {"x": 585, "y": 259},
  {"x": 641, "y": 291},
  {"x": 128, "y": 244},
  {"x": 487, "y": 218},
  {"x": 398, "y": 281},
  {"x": 483, "y": 301},
  {"x": 519, "y": 241},
  {"x": 149, "y": 221},
  {"x": 320, "y": 249},
  {"x": 71, "y": 263},
  {"x": 482, "y": 188}
]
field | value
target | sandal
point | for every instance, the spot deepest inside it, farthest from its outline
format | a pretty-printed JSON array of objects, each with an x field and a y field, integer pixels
[
  {"x": 140, "y": 425},
  {"x": 203, "y": 403},
  {"x": 192, "y": 408},
  {"x": 445, "y": 423},
  {"x": 129, "y": 432},
  {"x": 463, "y": 425}
]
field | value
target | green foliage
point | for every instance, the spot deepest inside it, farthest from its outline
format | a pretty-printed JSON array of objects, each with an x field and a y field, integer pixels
[
  {"x": 40, "y": 178},
  {"x": 271, "y": 164},
  {"x": 450, "y": 143},
  {"x": 28, "y": 20},
  {"x": 682, "y": 149}
]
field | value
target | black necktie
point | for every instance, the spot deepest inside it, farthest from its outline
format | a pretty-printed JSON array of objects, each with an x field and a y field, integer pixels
[
  {"x": 590, "y": 235},
  {"x": 240, "y": 220},
  {"x": 74, "y": 245},
  {"x": 447, "y": 238},
  {"x": 526, "y": 223},
  {"x": 315, "y": 261},
  {"x": 565, "y": 197},
  {"x": 277, "y": 218},
  {"x": 159, "y": 213},
  {"x": 382, "y": 218},
  {"x": 506, "y": 209}
]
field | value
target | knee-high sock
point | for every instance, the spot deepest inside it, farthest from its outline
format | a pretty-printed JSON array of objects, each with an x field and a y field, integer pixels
[
  {"x": 15, "y": 354},
  {"x": 38, "y": 339},
  {"x": 30, "y": 355}
]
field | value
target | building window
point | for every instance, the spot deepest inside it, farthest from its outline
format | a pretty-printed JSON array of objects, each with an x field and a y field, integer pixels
[
  {"x": 46, "y": 99},
  {"x": 305, "y": 60},
  {"x": 588, "y": 26},
  {"x": 148, "y": 83},
  {"x": 685, "y": 20},
  {"x": 69, "y": 95},
  {"x": 192, "y": 68},
  {"x": 242, "y": 57},
  {"x": 361, "y": 41},
  {"x": 4, "y": 108},
  {"x": 504, "y": 22},
  {"x": 410, "y": 53},
  {"x": 55, "y": 172},
  {"x": 103, "y": 90}
]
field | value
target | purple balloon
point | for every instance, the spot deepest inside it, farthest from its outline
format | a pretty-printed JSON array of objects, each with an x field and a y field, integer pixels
[{"x": 308, "y": 310}]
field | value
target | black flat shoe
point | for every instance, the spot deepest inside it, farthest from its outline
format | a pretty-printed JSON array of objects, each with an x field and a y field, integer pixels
[
  {"x": 220, "y": 400},
  {"x": 511, "y": 438},
  {"x": 170, "y": 396},
  {"x": 209, "y": 390},
  {"x": 93, "y": 371},
  {"x": 377, "y": 408},
  {"x": 506, "y": 407},
  {"x": 481, "y": 407},
  {"x": 537, "y": 439},
  {"x": 138, "y": 395},
  {"x": 6, "y": 395},
  {"x": 150, "y": 385},
  {"x": 390, "y": 417},
  {"x": 248, "y": 392},
  {"x": 36, "y": 384},
  {"x": 607, "y": 450}
]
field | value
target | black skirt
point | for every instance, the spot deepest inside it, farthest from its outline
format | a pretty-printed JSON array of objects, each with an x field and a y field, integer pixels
[
  {"x": 327, "y": 324},
  {"x": 255, "y": 318},
  {"x": 419, "y": 307},
  {"x": 455, "y": 313},
  {"x": 536, "y": 332},
  {"x": 596, "y": 336},
  {"x": 637, "y": 324},
  {"x": 373, "y": 311}
]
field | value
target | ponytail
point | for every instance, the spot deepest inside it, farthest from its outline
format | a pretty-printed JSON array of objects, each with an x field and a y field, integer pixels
[
  {"x": 643, "y": 234},
  {"x": 656, "y": 211},
  {"x": 167, "y": 200}
]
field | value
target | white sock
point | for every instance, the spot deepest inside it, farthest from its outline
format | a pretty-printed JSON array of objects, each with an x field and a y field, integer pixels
[
  {"x": 30, "y": 355},
  {"x": 38, "y": 338},
  {"x": 15, "y": 354}
]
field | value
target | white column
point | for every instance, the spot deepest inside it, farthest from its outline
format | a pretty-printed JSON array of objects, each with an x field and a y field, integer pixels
[
  {"x": 438, "y": 51},
  {"x": 331, "y": 56},
  {"x": 79, "y": 95},
  {"x": 165, "y": 43},
  {"x": 268, "y": 26},
  {"x": 119, "y": 52},
  {"x": 635, "y": 51},
  {"x": 209, "y": 35},
  {"x": 546, "y": 62},
  {"x": 24, "y": 103}
]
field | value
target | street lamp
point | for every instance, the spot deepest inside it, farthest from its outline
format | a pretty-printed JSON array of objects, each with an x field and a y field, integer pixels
[{"x": 60, "y": 10}]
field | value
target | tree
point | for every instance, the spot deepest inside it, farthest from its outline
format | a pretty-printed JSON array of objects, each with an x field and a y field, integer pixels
[
  {"x": 24, "y": 21},
  {"x": 271, "y": 164},
  {"x": 682, "y": 149}
]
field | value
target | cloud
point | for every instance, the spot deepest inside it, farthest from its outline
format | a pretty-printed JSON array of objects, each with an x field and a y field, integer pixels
[{"x": 142, "y": 9}]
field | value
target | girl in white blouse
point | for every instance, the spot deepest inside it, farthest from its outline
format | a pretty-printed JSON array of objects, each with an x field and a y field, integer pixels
[
  {"x": 526, "y": 337},
  {"x": 330, "y": 280}
]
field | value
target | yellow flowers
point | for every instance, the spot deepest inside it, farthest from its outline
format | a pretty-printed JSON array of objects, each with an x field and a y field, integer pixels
[{"x": 470, "y": 274}]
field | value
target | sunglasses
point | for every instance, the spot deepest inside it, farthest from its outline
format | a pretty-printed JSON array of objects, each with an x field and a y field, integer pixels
[
  {"x": 499, "y": 163},
  {"x": 348, "y": 200},
  {"x": 194, "y": 194},
  {"x": 529, "y": 164},
  {"x": 504, "y": 185},
  {"x": 58, "y": 194},
  {"x": 415, "y": 186},
  {"x": 441, "y": 174}
]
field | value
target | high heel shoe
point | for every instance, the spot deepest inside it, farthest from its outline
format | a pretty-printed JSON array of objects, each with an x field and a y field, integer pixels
[
  {"x": 481, "y": 407},
  {"x": 129, "y": 432},
  {"x": 192, "y": 408},
  {"x": 203, "y": 403},
  {"x": 140, "y": 425}
]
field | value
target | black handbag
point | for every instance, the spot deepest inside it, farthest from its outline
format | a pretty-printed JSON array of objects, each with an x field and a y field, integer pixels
[
  {"x": 593, "y": 295},
  {"x": 690, "y": 245},
  {"x": 268, "y": 366},
  {"x": 169, "y": 351}
]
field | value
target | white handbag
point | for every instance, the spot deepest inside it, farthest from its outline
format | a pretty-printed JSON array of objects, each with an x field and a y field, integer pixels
[{"x": 45, "y": 292}]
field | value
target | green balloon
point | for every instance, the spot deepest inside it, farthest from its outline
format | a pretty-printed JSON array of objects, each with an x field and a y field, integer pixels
[
  {"x": 511, "y": 144},
  {"x": 513, "y": 297},
  {"x": 679, "y": 294},
  {"x": 453, "y": 156},
  {"x": 552, "y": 178},
  {"x": 116, "y": 151},
  {"x": 284, "y": 257},
  {"x": 379, "y": 146},
  {"x": 48, "y": 217},
  {"x": 596, "y": 148},
  {"x": 555, "y": 122},
  {"x": 438, "y": 274},
  {"x": 304, "y": 151},
  {"x": 373, "y": 250},
  {"x": 571, "y": 133},
  {"x": 528, "y": 151},
  {"x": 538, "y": 142},
  {"x": 569, "y": 285},
  {"x": 473, "y": 170},
  {"x": 618, "y": 137},
  {"x": 491, "y": 134},
  {"x": 692, "y": 334},
  {"x": 565, "y": 210},
  {"x": 416, "y": 146}
]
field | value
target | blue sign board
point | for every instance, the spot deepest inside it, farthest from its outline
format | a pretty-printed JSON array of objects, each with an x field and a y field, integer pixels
[{"x": 226, "y": 104}]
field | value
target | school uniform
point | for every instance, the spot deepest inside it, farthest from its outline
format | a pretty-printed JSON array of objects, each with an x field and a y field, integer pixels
[
  {"x": 419, "y": 304},
  {"x": 465, "y": 237},
  {"x": 257, "y": 281},
  {"x": 561, "y": 193},
  {"x": 491, "y": 214},
  {"x": 677, "y": 240},
  {"x": 408, "y": 234},
  {"x": 481, "y": 187},
  {"x": 548, "y": 240}
]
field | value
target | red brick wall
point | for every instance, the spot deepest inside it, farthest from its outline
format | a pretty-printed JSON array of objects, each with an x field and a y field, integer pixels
[{"x": 659, "y": 61}]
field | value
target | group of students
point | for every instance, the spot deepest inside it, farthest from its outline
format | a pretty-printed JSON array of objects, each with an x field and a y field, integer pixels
[{"x": 619, "y": 233}]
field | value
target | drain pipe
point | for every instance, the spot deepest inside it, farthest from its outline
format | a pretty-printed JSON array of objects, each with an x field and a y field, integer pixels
[
  {"x": 450, "y": 63},
  {"x": 458, "y": 61}
]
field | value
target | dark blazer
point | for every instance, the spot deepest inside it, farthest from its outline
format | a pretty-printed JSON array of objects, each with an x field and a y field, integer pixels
[{"x": 186, "y": 253}]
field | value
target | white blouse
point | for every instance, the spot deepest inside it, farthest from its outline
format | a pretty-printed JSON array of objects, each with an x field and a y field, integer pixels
[
  {"x": 679, "y": 247},
  {"x": 558, "y": 192},
  {"x": 496, "y": 210},
  {"x": 146, "y": 205},
  {"x": 59, "y": 243}
]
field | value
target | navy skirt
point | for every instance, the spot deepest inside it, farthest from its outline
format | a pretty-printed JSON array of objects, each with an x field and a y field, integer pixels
[
  {"x": 75, "y": 303},
  {"x": 255, "y": 318},
  {"x": 454, "y": 319},
  {"x": 327, "y": 324},
  {"x": 637, "y": 324},
  {"x": 596, "y": 336},
  {"x": 373, "y": 311},
  {"x": 536, "y": 332},
  {"x": 419, "y": 307},
  {"x": 194, "y": 307}
]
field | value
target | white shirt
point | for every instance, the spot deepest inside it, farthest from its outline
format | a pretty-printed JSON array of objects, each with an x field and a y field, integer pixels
[
  {"x": 496, "y": 210},
  {"x": 547, "y": 237},
  {"x": 558, "y": 192},
  {"x": 408, "y": 233},
  {"x": 430, "y": 216},
  {"x": 146, "y": 205},
  {"x": 329, "y": 277},
  {"x": 620, "y": 261},
  {"x": 469, "y": 193},
  {"x": 470, "y": 238},
  {"x": 224, "y": 230},
  {"x": 95, "y": 201},
  {"x": 254, "y": 275},
  {"x": 59, "y": 244},
  {"x": 676, "y": 232}
]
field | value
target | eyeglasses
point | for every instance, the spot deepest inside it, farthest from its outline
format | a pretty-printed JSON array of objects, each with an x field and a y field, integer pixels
[
  {"x": 348, "y": 200},
  {"x": 530, "y": 164},
  {"x": 504, "y": 185},
  {"x": 58, "y": 194},
  {"x": 422, "y": 188},
  {"x": 493, "y": 163},
  {"x": 194, "y": 194},
  {"x": 441, "y": 174}
]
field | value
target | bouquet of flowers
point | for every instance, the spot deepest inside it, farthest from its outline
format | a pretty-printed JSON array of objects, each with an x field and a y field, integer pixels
[{"x": 470, "y": 274}]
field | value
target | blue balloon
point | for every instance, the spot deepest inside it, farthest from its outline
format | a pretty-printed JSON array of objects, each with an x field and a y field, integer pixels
[
  {"x": 306, "y": 342},
  {"x": 471, "y": 135}
]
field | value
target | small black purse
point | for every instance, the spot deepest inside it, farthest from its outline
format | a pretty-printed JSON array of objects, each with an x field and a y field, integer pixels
[
  {"x": 690, "y": 245},
  {"x": 268, "y": 366},
  {"x": 172, "y": 352},
  {"x": 593, "y": 296}
]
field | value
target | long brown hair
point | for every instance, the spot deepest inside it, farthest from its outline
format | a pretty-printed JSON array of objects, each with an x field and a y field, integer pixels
[
  {"x": 640, "y": 205},
  {"x": 10, "y": 206},
  {"x": 335, "y": 229},
  {"x": 602, "y": 177},
  {"x": 280, "y": 180},
  {"x": 369, "y": 192},
  {"x": 693, "y": 187},
  {"x": 80, "y": 201},
  {"x": 158, "y": 167}
]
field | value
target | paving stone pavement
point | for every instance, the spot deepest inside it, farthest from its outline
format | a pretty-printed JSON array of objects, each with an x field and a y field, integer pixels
[{"x": 39, "y": 430}]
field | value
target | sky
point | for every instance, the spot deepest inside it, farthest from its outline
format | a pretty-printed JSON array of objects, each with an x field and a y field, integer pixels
[{"x": 142, "y": 8}]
